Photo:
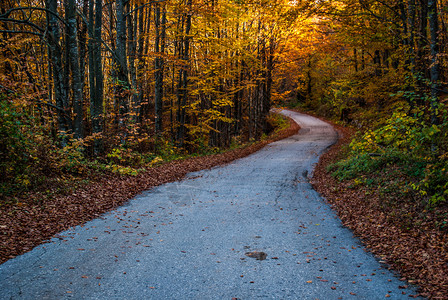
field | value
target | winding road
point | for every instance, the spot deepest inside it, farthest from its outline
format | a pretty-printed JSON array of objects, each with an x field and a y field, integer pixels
[{"x": 252, "y": 229}]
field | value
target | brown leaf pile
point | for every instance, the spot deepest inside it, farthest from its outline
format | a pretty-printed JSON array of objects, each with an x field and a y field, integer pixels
[
  {"x": 33, "y": 221},
  {"x": 420, "y": 254}
]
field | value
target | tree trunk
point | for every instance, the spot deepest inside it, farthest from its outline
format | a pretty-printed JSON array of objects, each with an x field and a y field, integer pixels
[
  {"x": 269, "y": 69},
  {"x": 422, "y": 39},
  {"x": 184, "y": 77},
  {"x": 309, "y": 85},
  {"x": 132, "y": 51},
  {"x": 411, "y": 26},
  {"x": 55, "y": 53},
  {"x": 142, "y": 106},
  {"x": 159, "y": 66},
  {"x": 75, "y": 68},
  {"x": 95, "y": 73},
  {"x": 404, "y": 22},
  {"x": 435, "y": 65},
  {"x": 122, "y": 84},
  {"x": 82, "y": 37}
]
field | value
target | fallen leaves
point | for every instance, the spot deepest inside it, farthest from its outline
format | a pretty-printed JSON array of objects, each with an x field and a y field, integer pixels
[
  {"x": 420, "y": 254},
  {"x": 33, "y": 222},
  {"x": 258, "y": 255}
]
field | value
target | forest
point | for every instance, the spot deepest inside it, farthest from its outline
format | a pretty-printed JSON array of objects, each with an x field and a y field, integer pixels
[
  {"x": 98, "y": 88},
  {"x": 114, "y": 85}
]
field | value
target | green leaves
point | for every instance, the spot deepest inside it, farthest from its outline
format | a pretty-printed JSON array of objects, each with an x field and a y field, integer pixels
[
  {"x": 16, "y": 149},
  {"x": 418, "y": 148}
]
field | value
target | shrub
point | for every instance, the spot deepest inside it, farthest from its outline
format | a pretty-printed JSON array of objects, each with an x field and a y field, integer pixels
[
  {"x": 16, "y": 151},
  {"x": 418, "y": 147}
]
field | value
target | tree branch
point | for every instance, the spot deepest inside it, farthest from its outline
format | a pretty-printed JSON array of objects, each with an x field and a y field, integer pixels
[
  {"x": 24, "y": 22},
  {"x": 84, "y": 19},
  {"x": 9, "y": 91},
  {"x": 22, "y": 31},
  {"x": 64, "y": 112},
  {"x": 31, "y": 8},
  {"x": 143, "y": 6}
]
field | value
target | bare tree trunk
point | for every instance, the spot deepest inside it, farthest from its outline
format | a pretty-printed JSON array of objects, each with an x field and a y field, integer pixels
[
  {"x": 159, "y": 46},
  {"x": 404, "y": 21},
  {"x": 180, "y": 46},
  {"x": 269, "y": 69},
  {"x": 55, "y": 53},
  {"x": 363, "y": 60},
  {"x": 75, "y": 68},
  {"x": 309, "y": 85},
  {"x": 184, "y": 77},
  {"x": 82, "y": 37},
  {"x": 122, "y": 67},
  {"x": 142, "y": 51},
  {"x": 132, "y": 54},
  {"x": 435, "y": 64},
  {"x": 96, "y": 72},
  {"x": 422, "y": 37},
  {"x": 411, "y": 24}
]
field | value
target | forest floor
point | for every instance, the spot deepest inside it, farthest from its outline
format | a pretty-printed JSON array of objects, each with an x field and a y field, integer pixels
[
  {"x": 418, "y": 253},
  {"x": 34, "y": 218},
  {"x": 253, "y": 228},
  {"x": 399, "y": 232}
]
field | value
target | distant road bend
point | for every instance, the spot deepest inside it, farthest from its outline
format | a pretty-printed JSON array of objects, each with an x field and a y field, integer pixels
[{"x": 251, "y": 229}]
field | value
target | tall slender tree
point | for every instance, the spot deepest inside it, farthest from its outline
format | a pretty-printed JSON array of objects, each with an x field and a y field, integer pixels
[{"x": 73, "y": 56}]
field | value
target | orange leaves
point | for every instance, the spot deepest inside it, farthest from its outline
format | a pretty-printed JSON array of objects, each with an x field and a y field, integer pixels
[
  {"x": 20, "y": 231},
  {"x": 420, "y": 253}
]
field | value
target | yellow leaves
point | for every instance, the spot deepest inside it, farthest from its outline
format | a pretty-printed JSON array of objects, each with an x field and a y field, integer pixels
[
  {"x": 156, "y": 161},
  {"x": 367, "y": 143},
  {"x": 23, "y": 180},
  {"x": 122, "y": 170}
]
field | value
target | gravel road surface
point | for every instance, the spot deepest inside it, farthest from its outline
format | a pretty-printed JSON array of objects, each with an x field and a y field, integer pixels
[{"x": 253, "y": 229}]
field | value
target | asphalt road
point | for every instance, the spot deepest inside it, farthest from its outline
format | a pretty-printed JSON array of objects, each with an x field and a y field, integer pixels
[{"x": 200, "y": 239}]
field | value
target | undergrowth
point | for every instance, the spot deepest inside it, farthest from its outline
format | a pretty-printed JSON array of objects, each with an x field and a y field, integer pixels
[
  {"x": 32, "y": 162},
  {"x": 407, "y": 156}
]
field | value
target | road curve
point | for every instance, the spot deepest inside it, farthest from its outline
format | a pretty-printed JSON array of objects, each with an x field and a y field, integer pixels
[{"x": 200, "y": 238}]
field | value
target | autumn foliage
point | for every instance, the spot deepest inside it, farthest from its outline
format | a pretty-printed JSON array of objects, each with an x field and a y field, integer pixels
[
  {"x": 93, "y": 85},
  {"x": 379, "y": 66},
  {"x": 95, "y": 88}
]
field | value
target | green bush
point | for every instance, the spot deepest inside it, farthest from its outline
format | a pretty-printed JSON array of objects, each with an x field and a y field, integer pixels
[
  {"x": 409, "y": 142},
  {"x": 16, "y": 151}
]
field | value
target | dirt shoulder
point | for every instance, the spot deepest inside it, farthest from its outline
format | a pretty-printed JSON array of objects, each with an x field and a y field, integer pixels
[
  {"x": 32, "y": 221},
  {"x": 418, "y": 253}
]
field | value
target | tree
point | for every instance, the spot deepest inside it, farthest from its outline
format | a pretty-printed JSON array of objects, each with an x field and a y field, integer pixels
[
  {"x": 56, "y": 65},
  {"x": 434, "y": 70},
  {"x": 184, "y": 54},
  {"x": 73, "y": 56},
  {"x": 160, "y": 28},
  {"x": 116, "y": 71},
  {"x": 95, "y": 72}
]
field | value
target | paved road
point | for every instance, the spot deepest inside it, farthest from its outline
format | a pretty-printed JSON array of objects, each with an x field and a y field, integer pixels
[{"x": 189, "y": 239}]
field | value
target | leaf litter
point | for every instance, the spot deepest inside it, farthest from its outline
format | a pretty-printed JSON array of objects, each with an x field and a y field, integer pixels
[
  {"x": 419, "y": 254},
  {"x": 35, "y": 221}
]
